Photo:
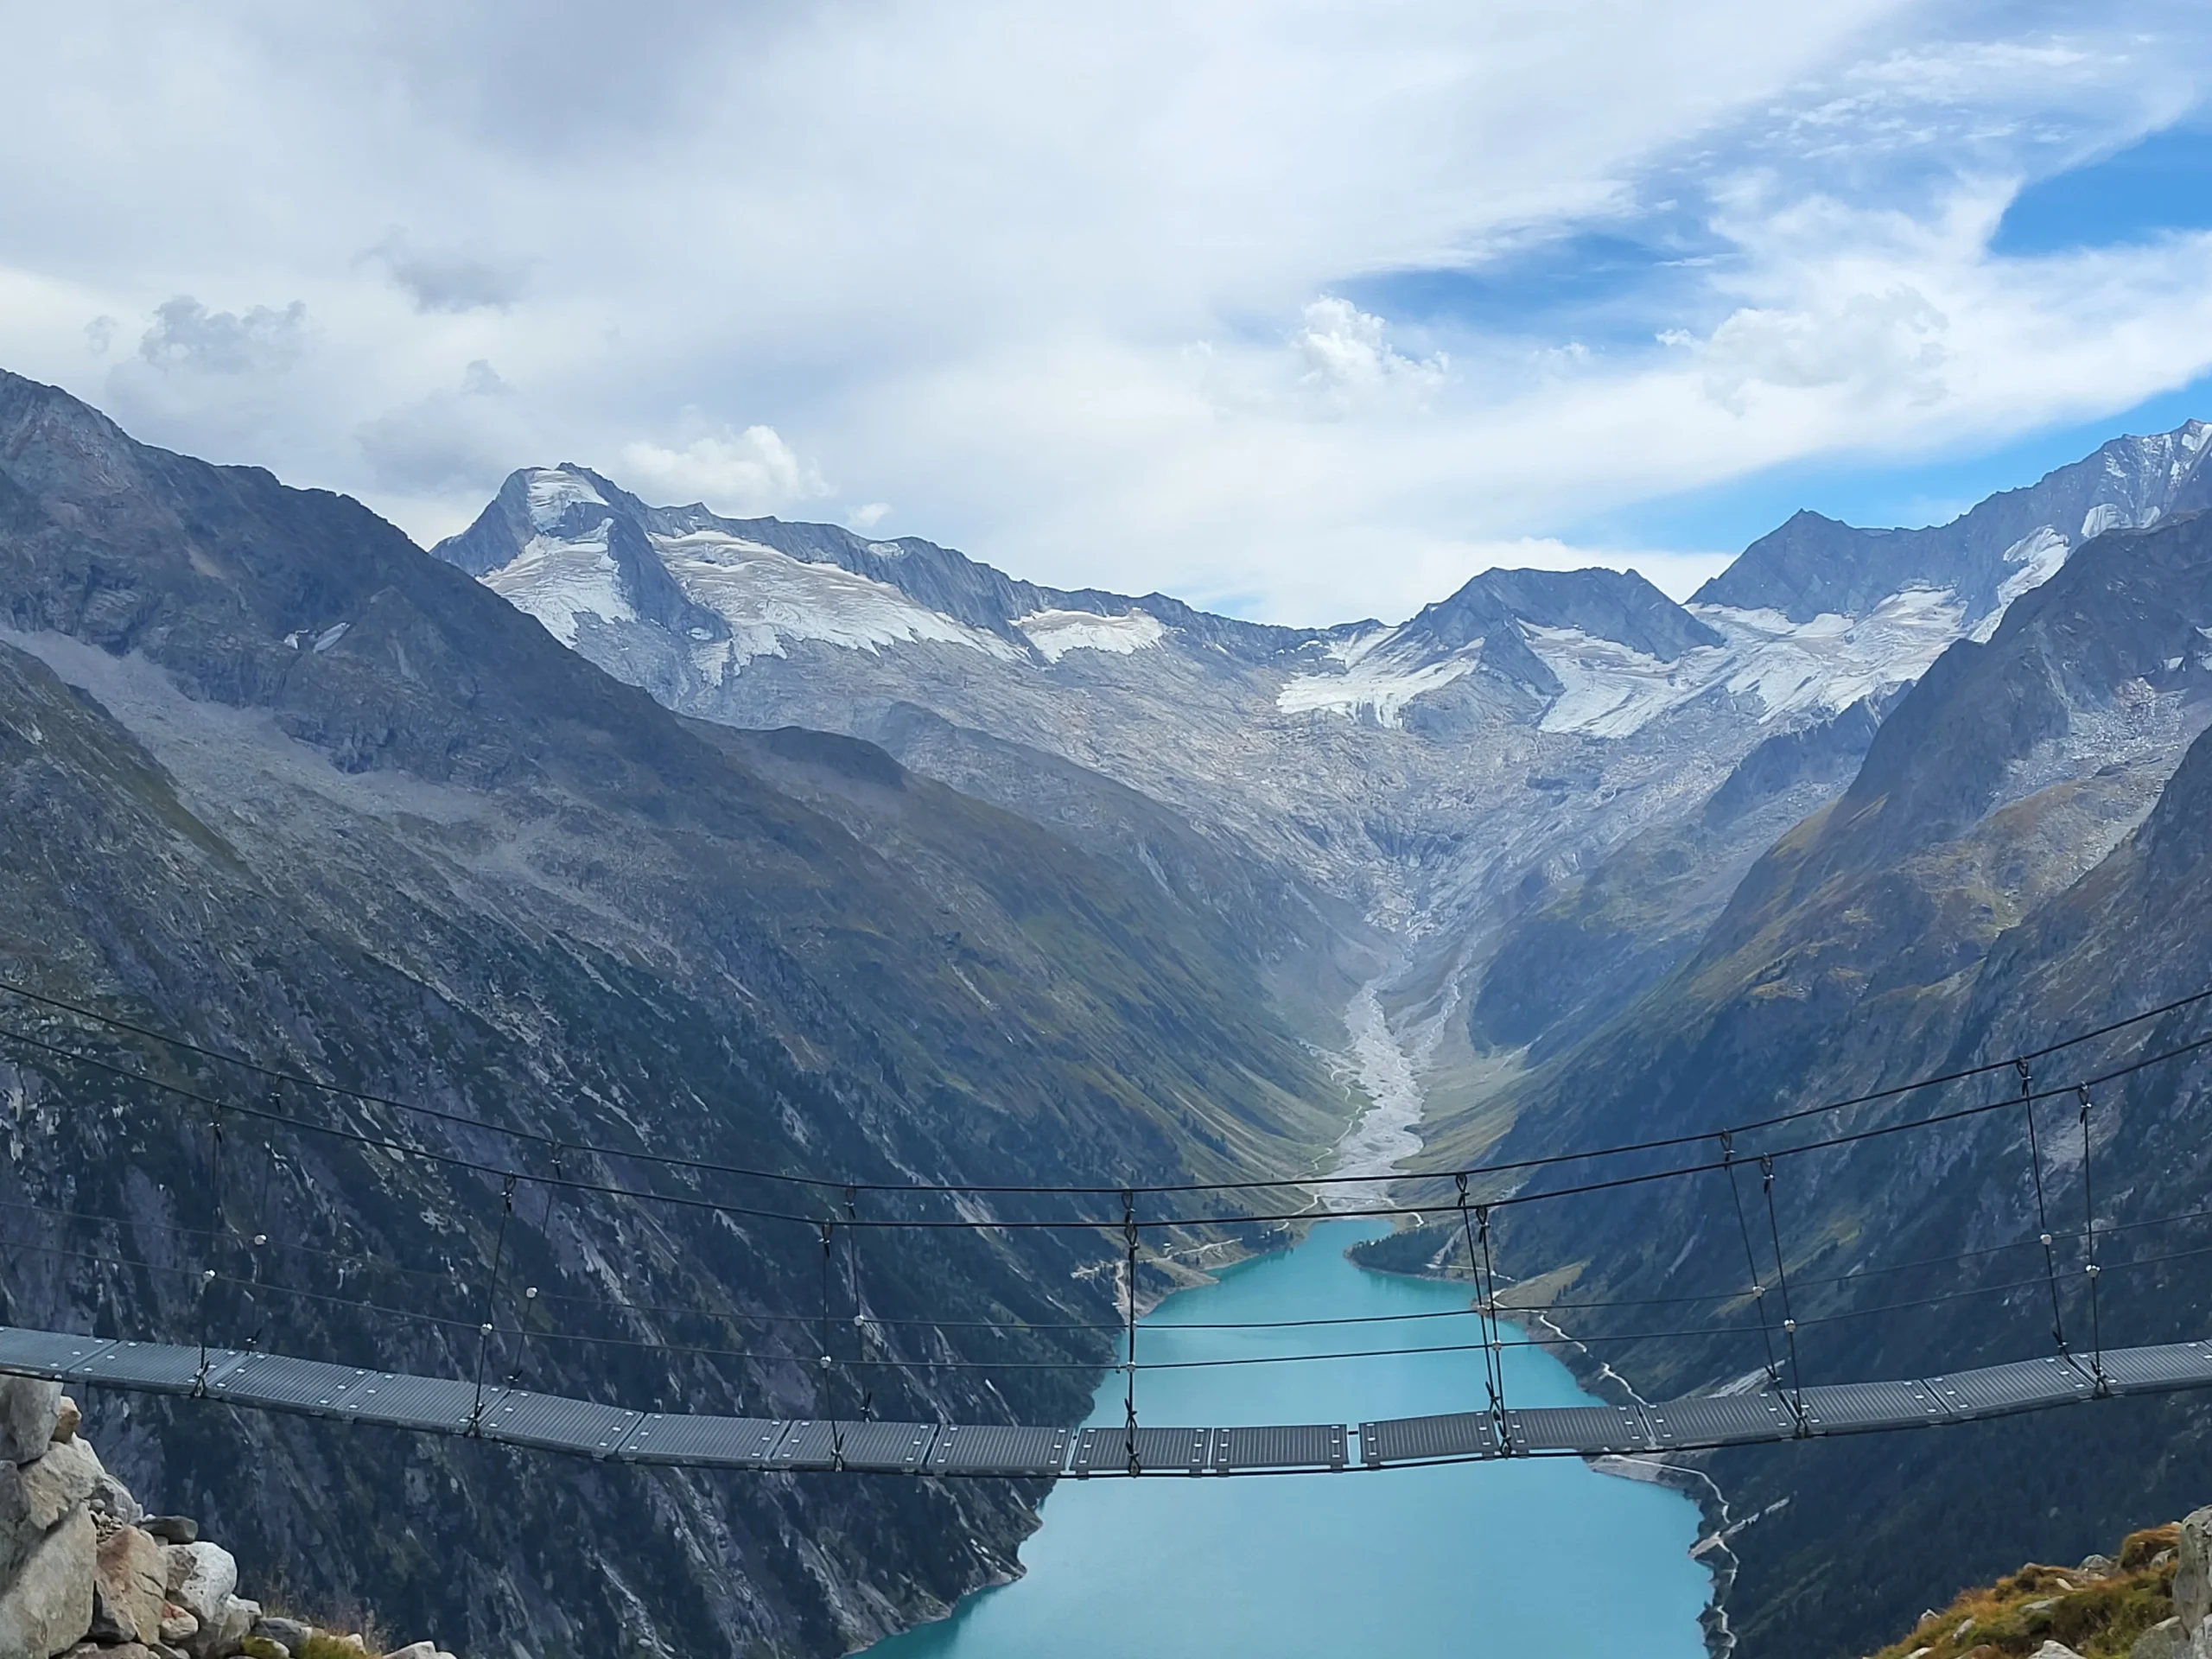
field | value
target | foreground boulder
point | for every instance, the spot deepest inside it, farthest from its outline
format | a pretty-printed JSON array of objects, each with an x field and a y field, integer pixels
[{"x": 85, "y": 1574}]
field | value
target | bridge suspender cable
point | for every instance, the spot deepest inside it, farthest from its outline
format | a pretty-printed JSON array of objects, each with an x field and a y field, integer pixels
[
  {"x": 1129, "y": 1296},
  {"x": 1750, "y": 1256},
  {"x": 1485, "y": 1313},
  {"x": 2089, "y": 1248},
  {"x": 491, "y": 1300},
  {"x": 214, "y": 1236},
  {"x": 1782, "y": 1279},
  {"x": 853, "y": 1296},
  {"x": 2042, "y": 1220},
  {"x": 823, "y": 1400}
]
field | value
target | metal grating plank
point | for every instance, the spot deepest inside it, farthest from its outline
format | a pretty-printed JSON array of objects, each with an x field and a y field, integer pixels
[
  {"x": 999, "y": 1449},
  {"x": 710, "y": 1442},
  {"x": 2154, "y": 1371},
  {"x": 1292, "y": 1445},
  {"x": 158, "y": 1366},
  {"x": 1997, "y": 1391},
  {"x": 1721, "y": 1420},
  {"x": 1105, "y": 1451},
  {"x": 290, "y": 1384},
  {"x": 431, "y": 1403},
  {"x": 1590, "y": 1430},
  {"x": 1413, "y": 1439},
  {"x": 49, "y": 1353},
  {"x": 553, "y": 1424},
  {"x": 873, "y": 1448},
  {"x": 1841, "y": 1408}
]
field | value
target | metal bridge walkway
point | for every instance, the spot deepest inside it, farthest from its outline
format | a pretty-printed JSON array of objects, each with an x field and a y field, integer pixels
[{"x": 511, "y": 1416}]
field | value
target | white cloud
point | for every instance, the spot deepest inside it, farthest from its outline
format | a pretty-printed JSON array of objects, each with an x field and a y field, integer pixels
[
  {"x": 1088, "y": 292},
  {"x": 446, "y": 279},
  {"x": 1349, "y": 361},
  {"x": 1881, "y": 346},
  {"x": 744, "y": 474},
  {"x": 186, "y": 336}
]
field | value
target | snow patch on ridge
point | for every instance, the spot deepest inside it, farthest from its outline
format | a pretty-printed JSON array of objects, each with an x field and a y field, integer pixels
[
  {"x": 1613, "y": 690},
  {"x": 1373, "y": 684},
  {"x": 2040, "y": 554},
  {"x": 561, "y": 581},
  {"x": 553, "y": 492},
  {"x": 770, "y": 599},
  {"x": 1055, "y": 633},
  {"x": 1829, "y": 663}
]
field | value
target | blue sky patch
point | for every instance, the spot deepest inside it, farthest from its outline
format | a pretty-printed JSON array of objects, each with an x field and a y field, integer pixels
[
  {"x": 2164, "y": 183},
  {"x": 1877, "y": 492}
]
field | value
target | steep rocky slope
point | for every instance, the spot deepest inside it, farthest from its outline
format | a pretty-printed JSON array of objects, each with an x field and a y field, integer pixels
[
  {"x": 1539, "y": 789},
  {"x": 272, "y": 780},
  {"x": 2022, "y": 854}
]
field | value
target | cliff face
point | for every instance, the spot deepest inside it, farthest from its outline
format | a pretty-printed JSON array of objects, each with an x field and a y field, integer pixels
[{"x": 274, "y": 780}]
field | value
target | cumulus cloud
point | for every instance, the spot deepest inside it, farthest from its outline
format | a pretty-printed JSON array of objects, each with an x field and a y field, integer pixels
[
  {"x": 1349, "y": 360},
  {"x": 743, "y": 474},
  {"x": 186, "y": 336},
  {"x": 1140, "y": 296},
  {"x": 1881, "y": 346},
  {"x": 447, "y": 281}
]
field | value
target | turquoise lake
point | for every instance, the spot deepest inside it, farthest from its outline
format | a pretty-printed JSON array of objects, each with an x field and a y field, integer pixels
[{"x": 1546, "y": 1557}]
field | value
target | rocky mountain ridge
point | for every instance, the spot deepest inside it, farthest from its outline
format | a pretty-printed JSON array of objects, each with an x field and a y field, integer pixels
[
  {"x": 273, "y": 781},
  {"x": 1867, "y": 805}
]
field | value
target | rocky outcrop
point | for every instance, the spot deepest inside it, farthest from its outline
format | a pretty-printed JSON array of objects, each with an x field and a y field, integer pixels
[
  {"x": 81, "y": 1578},
  {"x": 2154, "y": 1601}
]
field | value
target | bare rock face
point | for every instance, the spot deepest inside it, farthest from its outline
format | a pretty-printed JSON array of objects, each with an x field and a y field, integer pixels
[
  {"x": 29, "y": 1410},
  {"x": 35, "y": 1496},
  {"x": 2193, "y": 1570},
  {"x": 2164, "y": 1640},
  {"x": 48, "y": 1608},
  {"x": 200, "y": 1577},
  {"x": 130, "y": 1585}
]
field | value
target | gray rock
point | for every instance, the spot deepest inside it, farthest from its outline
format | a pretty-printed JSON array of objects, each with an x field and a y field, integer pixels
[
  {"x": 173, "y": 1529},
  {"x": 48, "y": 1607},
  {"x": 2054, "y": 1650},
  {"x": 415, "y": 1650},
  {"x": 2193, "y": 1569},
  {"x": 111, "y": 1650},
  {"x": 178, "y": 1627},
  {"x": 112, "y": 1505},
  {"x": 34, "y": 1497},
  {"x": 290, "y": 1631},
  {"x": 219, "y": 1637},
  {"x": 201, "y": 1579},
  {"x": 2164, "y": 1640},
  {"x": 130, "y": 1588},
  {"x": 28, "y": 1406}
]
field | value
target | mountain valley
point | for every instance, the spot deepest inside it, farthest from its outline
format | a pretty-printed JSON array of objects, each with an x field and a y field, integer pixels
[{"x": 765, "y": 843}]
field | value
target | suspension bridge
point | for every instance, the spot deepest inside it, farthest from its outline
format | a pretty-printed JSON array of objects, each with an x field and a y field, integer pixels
[{"x": 1777, "y": 1405}]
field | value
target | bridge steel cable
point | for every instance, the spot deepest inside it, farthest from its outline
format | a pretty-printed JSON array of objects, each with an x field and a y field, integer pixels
[
  {"x": 1093, "y": 1223},
  {"x": 1802, "y": 1409},
  {"x": 703, "y": 1166},
  {"x": 222, "y": 1228}
]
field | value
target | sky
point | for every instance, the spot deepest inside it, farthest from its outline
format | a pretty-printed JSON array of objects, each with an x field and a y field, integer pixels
[{"x": 1301, "y": 309}]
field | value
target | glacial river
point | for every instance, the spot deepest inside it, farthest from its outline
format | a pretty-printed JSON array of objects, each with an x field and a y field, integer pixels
[{"x": 1493, "y": 1559}]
